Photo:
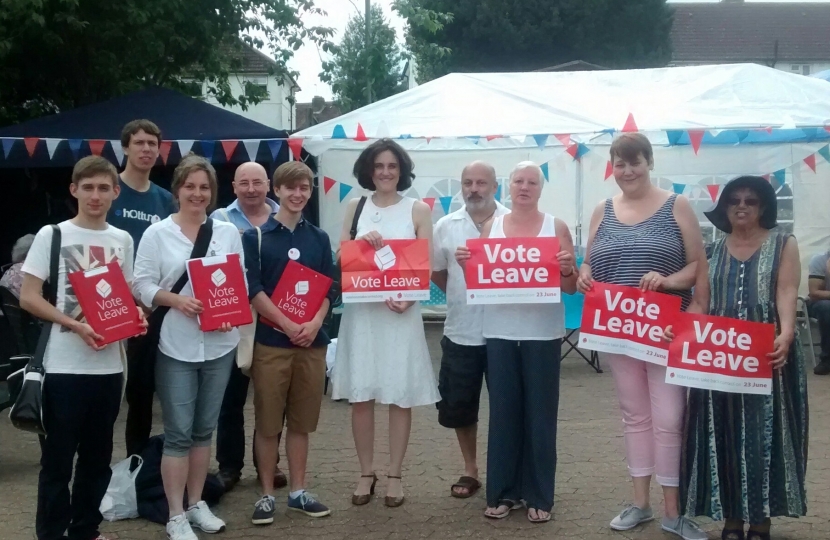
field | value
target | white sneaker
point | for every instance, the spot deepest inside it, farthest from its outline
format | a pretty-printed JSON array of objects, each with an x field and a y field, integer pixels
[
  {"x": 178, "y": 528},
  {"x": 199, "y": 515}
]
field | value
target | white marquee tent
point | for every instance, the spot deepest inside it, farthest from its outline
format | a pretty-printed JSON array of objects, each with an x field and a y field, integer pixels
[{"x": 708, "y": 124}]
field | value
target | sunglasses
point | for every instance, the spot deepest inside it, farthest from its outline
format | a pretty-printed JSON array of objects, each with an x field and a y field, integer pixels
[{"x": 751, "y": 201}]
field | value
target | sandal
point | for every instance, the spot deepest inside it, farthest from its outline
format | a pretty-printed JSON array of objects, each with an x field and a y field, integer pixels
[
  {"x": 538, "y": 519},
  {"x": 393, "y": 502},
  {"x": 509, "y": 504},
  {"x": 360, "y": 500},
  {"x": 732, "y": 534},
  {"x": 472, "y": 485}
]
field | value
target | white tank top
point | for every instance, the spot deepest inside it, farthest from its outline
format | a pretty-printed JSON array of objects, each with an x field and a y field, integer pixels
[
  {"x": 524, "y": 322},
  {"x": 393, "y": 222}
]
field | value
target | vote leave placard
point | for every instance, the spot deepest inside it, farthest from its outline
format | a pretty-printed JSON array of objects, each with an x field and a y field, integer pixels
[
  {"x": 512, "y": 271},
  {"x": 106, "y": 302},
  {"x": 220, "y": 284},
  {"x": 399, "y": 270},
  {"x": 626, "y": 320},
  {"x": 299, "y": 294},
  {"x": 719, "y": 353}
]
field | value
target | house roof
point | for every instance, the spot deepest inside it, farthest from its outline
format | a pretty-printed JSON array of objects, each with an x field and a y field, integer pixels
[
  {"x": 749, "y": 32},
  {"x": 253, "y": 61},
  {"x": 574, "y": 65}
]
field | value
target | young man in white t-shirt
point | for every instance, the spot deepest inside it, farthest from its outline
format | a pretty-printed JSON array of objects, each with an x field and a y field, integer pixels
[{"x": 82, "y": 387}]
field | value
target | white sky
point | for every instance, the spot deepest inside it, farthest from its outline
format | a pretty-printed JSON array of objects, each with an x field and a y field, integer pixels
[{"x": 307, "y": 59}]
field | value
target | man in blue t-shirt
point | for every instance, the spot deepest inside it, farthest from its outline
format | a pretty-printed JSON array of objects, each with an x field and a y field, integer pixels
[{"x": 140, "y": 204}]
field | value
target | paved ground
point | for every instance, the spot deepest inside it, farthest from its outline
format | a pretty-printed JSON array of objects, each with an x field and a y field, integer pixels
[{"x": 591, "y": 482}]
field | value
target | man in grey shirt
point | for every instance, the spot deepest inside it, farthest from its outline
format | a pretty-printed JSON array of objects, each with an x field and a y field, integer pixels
[{"x": 819, "y": 305}]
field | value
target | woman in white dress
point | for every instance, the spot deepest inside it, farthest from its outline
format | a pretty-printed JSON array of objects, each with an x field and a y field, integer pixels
[{"x": 382, "y": 351}]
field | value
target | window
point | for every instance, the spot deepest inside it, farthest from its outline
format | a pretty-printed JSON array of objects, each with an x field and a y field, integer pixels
[
  {"x": 260, "y": 81},
  {"x": 803, "y": 69}
]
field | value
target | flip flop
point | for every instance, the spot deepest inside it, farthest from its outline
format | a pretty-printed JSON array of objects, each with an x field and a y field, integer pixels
[
  {"x": 511, "y": 505},
  {"x": 538, "y": 519},
  {"x": 469, "y": 483}
]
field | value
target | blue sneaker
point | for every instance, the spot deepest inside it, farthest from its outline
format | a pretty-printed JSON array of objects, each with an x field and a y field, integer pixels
[{"x": 308, "y": 505}]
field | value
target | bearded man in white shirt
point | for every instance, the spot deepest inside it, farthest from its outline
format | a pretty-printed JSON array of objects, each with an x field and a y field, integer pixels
[{"x": 464, "y": 358}]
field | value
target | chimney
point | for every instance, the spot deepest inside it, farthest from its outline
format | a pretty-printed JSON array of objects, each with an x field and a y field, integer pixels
[{"x": 317, "y": 104}]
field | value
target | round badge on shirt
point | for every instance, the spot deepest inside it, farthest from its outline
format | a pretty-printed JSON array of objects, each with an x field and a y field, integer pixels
[{"x": 293, "y": 254}]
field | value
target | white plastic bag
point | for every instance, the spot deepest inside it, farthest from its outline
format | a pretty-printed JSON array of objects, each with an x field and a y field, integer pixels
[
  {"x": 331, "y": 353},
  {"x": 120, "y": 501}
]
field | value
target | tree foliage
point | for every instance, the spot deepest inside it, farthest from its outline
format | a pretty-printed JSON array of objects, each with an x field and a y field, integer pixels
[
  {"x": 353, "y": 65},
  {"x": 59, "y": 54},
  {"x": 505, "y": 35}
]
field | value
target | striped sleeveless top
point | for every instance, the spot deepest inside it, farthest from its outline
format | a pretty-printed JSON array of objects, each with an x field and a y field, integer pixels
[{"x": 622, "y": 254}]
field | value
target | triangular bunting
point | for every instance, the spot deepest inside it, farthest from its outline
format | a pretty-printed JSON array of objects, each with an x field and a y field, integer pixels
[
  {"x": 75, "y": 146},
  {"x": 252, "y": 148},
  {"x": 96, "y": 146},
  {"x": 581, "y": 150},
  {"x": 328, "y": 183},
  {"x": 344, "y": 188},
  {"x": 207, "y": 149},
  {"x": 185, "y": 146},
  {"x": 544, "y": 167},
  {"x": 674, "y": 136},
  {"x": 428, "y": 139},
  {"x": 430, "y": 202},
  {"x": 338, "y": 132},
  {"x": 474, "y": 139},
  {"x": 7, "y": 146},
  {"x": 275, "y": 146},
  {"x": 31, "y": 144},
  {"x": 445, "y": 204},
  {"x": 52, "y": 145},
  {"x": 630, "y": 125},
  {"x": 541, "y": 141},
  {"x": 565, "y": 139},
  {"x": 696, "y": 137},
  {"x": 572, "y": 150},
  {"x": 713, "y": 191},
  {"x": 780, "y": 177},
  {"x": 405, "y": 136},
  {"x": 296, "y": 146},
  {"x": 361, "y": 135},
  {"x": 229, "y": 147},
  {"x": 382, "y": 131},
  {"x": 498, "y": 193},
  {"x": 811, "y": 161},
  {"x": 678, "y": 188},
  {"x": 765, "y": 177},
  {"x": 825, "y": 152},
  {"x": 164, "y": 150},
  {"x": 118, "y": 150},
  {"x": 491, "y": 137},
  {"x": 609, "y": 170}
]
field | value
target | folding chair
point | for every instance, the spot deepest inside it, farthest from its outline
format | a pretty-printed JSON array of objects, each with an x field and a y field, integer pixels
[
  {"x": 24, "y": 330},
  {"x": 573, "y": 319},
  {"x": 804, "y": 321}
]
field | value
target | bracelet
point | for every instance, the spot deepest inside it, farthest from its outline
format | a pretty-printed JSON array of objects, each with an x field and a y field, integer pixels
[{"x": 568, "y": 275}]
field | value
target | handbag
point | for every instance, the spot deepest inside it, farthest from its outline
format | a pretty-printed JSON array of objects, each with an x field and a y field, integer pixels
[
  {"x": 247, "y": 333},
  {"x": 27, "y": 412}
]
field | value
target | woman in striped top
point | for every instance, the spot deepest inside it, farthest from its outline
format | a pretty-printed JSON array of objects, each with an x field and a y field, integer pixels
[{"x": 649, "y": 238}]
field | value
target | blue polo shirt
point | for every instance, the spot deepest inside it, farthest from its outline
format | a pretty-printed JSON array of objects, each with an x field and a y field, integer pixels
[
  {"x": 315, "y": 253},
  {"x": 236, "y": 216}
]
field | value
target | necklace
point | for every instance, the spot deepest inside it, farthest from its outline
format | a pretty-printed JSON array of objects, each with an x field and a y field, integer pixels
[{"x": 481, "y": 223}]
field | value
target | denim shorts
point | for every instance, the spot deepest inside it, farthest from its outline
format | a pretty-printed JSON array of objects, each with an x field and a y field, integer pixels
[{"x": 191, "y": 396}]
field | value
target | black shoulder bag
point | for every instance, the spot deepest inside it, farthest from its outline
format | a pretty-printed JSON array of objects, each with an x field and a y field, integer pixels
[
  {"x": 27, "y": 411},
  {"x": 338, "y": 272},
  {"x": 357, "y": 211}
]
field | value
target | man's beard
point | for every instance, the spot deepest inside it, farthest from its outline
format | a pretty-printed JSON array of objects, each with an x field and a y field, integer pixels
[{"x": 479, "y": 203}]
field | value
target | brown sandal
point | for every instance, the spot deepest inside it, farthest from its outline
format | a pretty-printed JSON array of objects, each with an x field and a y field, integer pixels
[
  {"x": 360, "y": 500},
  {"x": 472, "y": 485},
  {"x": 393, "y": 502}
]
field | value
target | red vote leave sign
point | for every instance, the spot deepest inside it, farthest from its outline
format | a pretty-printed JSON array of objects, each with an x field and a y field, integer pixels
[
  {"x": 220, "y": 284},
  {"x": 625, "y": 320},
  {"x": 513, "y": 271},
  {"x": 299, "y": 294},
  {"x": 106, "y": 302},
  {"x": 399, "y": 270},
  {"x": 721, "y": 353}
]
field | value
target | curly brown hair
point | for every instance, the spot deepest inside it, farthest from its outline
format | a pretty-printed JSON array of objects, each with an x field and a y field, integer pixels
[{"x": 364, "y": 167}]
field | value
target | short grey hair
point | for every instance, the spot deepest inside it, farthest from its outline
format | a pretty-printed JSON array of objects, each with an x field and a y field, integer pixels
[
  {"x": 21, "y": 248},
  {"x": 479, "y": 163},
  {"x": 522, "y": 165}
]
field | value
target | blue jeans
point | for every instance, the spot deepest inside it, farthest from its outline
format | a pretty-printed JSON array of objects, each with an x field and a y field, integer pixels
[{"x": 191, "y": 396}]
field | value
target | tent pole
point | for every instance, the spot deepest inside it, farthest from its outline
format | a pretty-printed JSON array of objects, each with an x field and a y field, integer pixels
[{"x": 579, "y": 204}]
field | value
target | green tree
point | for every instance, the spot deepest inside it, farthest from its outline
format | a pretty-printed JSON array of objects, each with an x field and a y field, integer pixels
[
  {"x": 354, "y": 65},
  {"x": 59, "y": 54},
  {"x": 505, "y": 35}
]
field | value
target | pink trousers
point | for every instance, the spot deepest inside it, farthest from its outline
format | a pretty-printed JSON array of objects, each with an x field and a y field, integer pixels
[{"x": 652, "y": 414}]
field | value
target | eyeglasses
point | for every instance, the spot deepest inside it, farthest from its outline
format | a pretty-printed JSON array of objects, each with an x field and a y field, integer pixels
[
  {"x": 735, "y": 201},
  {"x": 256, "y": 184}
]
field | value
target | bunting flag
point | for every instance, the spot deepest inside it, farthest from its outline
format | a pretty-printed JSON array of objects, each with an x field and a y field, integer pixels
[
  {"x": 344, "y": 190},
  {"x": 674, "y": 136},
  {"x": 52, "y": 145},
  {"x": 780, "y": 177},
  {"x": 545, "y": 171},
  {"x": 678, "y": 188},
  {"x": 31, "y": 144},
  {"x": 328, "y": 183},
  {"x": 491, "y": 137},
  {"x": 474, "y": 139},
  {"x": 252, "y": 148},
  {"x": 96, "y": 146},
  {"x": 118, "y": 150},
  {"x": 811, "y": 162},
  {"x": 361, "y": 136},
  {"x": 565, "y": 139},
  {"x": 581, "y": 150},
  {"x": 825, "y": 153},
  {"x": 428, "y": 139},
  {"x": 406, "y": 136},
  {"x": 696, "y": 137},
  {"x": 338, "y": 132},
  {"x": 713, "y": 191},
  {"x": 383, "y": 130},
  {"x": 609, "y": 170},
  {"x": 541, "y": 141},
  {"x": 498, "y": 193},
  {"x": 207, "y": 149},
  {"x": 275, "y": 147},
  {"x": 185, "y": 146},
  {"x": 430, "y": 202},
  {"x": 765, "y": 177},
  {"x": 572, "y": 150},
  {"x": 164, "y": 150},
  {"x": 630, "y": 125},
  {"x": 7, "y": 146},
  {"x": 229, "y": 147},
  {"x": 445, "y": 204},
  {"x": 75, "y": 146},
  {"x": 296, "y": 147}
]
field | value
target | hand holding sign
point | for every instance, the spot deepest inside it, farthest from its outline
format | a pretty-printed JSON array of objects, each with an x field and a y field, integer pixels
[
  {"x": 462, "y": 255},
  {"x": 653, "y": 281},
  {"x": 374, "y": 238},
  {"x": 188, "y": 305}
]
